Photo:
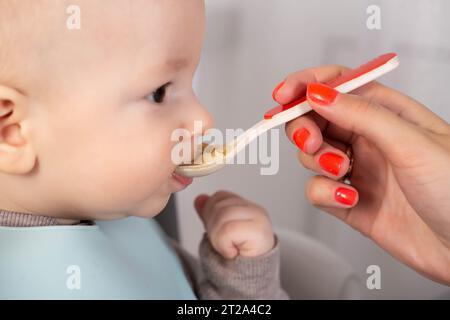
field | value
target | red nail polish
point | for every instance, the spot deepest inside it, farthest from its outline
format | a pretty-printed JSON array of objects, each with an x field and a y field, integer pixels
[
  {"x": 345, "y": 196},
  {"x": 277, "y": 88},
  {"x": 321, "y": 94},
  {"x": 331, "y": 162},
  {"x": 300, "y": 136}
]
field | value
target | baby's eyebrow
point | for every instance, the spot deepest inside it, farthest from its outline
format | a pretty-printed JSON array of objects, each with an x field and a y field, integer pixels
[{"x": 177, "y": 64}]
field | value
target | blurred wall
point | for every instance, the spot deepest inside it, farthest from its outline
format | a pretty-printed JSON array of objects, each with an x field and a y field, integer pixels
[{"x": 251, "y": 45}]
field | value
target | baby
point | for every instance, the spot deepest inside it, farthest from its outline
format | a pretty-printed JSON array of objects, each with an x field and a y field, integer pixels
[{"x": 86, "y": 116}]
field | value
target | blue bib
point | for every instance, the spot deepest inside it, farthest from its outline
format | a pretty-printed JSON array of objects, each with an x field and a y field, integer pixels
[{"x": 122, "y": 259}]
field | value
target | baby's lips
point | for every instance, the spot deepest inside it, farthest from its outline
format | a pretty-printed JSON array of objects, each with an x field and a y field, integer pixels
[{"x": 183, "y": 180}]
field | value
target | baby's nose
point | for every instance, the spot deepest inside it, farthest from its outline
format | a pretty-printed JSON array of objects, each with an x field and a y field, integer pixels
[{"x": 199, "y": 120}]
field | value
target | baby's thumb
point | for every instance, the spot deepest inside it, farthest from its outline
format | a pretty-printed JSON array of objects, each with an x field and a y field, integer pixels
[
  {"x": 393, "y": 135},
  {"x": 199, "y": 203}
]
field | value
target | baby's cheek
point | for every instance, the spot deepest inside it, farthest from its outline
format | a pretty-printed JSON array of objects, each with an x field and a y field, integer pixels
[
  {"x": 109, "y": 166},
  {"x": 111, "y": 178},
  {"x": 132, "y": 175}
]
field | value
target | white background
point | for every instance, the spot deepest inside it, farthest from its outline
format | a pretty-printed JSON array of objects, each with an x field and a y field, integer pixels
[{"x": 251, "y": 45}]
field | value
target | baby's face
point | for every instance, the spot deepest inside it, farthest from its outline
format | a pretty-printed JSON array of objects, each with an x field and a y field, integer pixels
[{"x": 120, "y": 86}]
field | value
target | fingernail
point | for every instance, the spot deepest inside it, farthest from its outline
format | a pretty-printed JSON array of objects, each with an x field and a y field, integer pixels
[
  {"x": 331, "y": 162},
  {"x": 277, "y": 88},
  {"x": 345, "y": 196},
  {"x": 300, "y": 136},
  {"x": 321, "y": 94}
]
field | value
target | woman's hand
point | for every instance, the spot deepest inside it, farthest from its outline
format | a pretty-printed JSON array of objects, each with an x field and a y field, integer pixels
[{"x": 400, "y": 185}]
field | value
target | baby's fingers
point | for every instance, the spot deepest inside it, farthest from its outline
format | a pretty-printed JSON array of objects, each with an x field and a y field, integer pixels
[
  {"x": 244, "y": 238},
  {"x": 228, "y": 237},
  {"x": 204, "y": 204}
]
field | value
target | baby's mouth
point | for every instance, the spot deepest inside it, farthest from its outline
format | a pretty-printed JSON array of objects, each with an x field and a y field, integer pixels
[{"x": 182, "y": 180}]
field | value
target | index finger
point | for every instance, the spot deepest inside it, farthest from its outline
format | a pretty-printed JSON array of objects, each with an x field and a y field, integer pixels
[
  {"x": 295, "y": 84},
  {"x": 404, "y": 106}
]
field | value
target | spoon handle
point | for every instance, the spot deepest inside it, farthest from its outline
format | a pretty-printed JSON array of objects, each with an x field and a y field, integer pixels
[
  {"x": 347, "y": 82},
  {"x": 281, "y": 114}
]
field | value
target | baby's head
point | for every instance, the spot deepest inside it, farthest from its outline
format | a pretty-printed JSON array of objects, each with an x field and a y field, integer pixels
[{"x": 86, "y": 116}]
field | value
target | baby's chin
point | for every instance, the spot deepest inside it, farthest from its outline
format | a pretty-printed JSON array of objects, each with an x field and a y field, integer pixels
[
  {"x": 156, "y": 203},
  {"x": 152, "y": 207},
  {"x": 148, "y": 206}
]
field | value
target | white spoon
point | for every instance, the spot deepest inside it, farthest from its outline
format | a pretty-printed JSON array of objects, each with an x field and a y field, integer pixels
[{"x": 215, "y": 157}]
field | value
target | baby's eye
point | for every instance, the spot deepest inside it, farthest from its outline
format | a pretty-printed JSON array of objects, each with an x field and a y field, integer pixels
[{"x": 159, "y": 95}]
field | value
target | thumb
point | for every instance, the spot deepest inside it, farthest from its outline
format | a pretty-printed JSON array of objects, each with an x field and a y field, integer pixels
[
  {"x": 199, "y": 203},
  {"x": 396, "y": 138}
]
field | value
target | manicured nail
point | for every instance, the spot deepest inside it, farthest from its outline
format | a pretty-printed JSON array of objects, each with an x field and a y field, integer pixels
[
  {"x": 331, "y": 162},
  {"x": 300, "y": 136},
  {"x": 345, "y": 196},
  {"x": 321, "y": 94},
  {"x": 277, "y": 88}
]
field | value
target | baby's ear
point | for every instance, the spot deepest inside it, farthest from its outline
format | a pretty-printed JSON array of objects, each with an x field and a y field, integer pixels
[{"x": 16, "y": 153}]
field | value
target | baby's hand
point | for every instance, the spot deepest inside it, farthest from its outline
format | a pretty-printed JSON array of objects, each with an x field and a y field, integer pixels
[{"x": 235, "y": 226}]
